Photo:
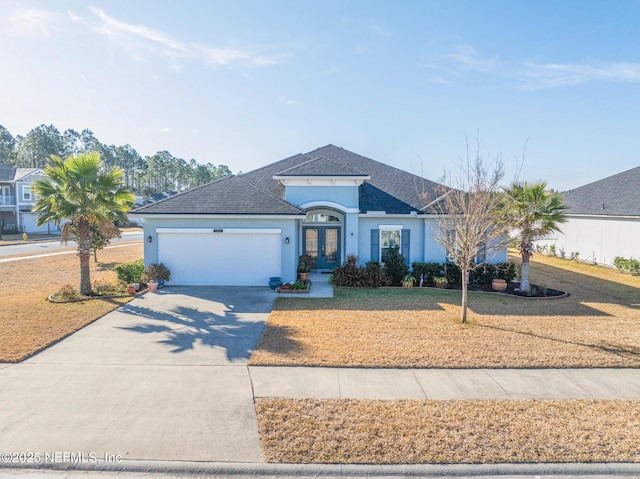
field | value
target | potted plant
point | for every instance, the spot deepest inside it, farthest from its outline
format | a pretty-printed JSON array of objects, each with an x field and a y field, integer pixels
[
  {"x": 303, "y": 271},
  {"x": 131, "y": 288},
  {"x": 155, "y": 274},
  {"x": 440, "y": 282},
  {"x": 499, "y": 284},
  {"x": 408, "y": 281}
]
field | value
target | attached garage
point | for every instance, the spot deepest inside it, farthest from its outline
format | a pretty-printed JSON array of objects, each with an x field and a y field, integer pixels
[{"x": 221, "y": 256}]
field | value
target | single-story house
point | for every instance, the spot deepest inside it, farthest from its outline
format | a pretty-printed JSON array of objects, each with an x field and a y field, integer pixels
[
  {"x": 327, "y": 204},
  {"x": 17, "y": 198},
  {"x": 603, "y": 220}
]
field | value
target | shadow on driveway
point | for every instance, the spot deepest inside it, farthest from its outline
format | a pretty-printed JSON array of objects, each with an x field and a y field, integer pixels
[{"x": 229, "y": 318}]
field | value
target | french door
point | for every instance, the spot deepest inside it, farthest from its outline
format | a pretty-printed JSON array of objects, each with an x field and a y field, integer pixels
[{"x": 322, "y": 245}]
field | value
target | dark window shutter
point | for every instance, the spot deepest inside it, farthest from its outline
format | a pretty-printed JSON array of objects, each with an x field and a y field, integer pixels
[
  {"x": 405, "y": 237},
  {"x": 375, "y": 245}
]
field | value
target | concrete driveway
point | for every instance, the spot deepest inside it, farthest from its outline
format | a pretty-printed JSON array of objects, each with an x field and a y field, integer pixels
[{"x": 162, "y": 378}]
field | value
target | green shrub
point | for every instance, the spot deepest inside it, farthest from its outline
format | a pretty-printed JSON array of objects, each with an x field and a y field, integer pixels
[
  {"x": 130, "y": 272},
  {"x": 482, "y": 275},
  {"x": 395, "y": 267},
  {"x": 374, "y": 275},
  {"x": 427, "y": 270},
  {"x": 624, "y": 265},
  {"x": 507, "y": 271},
  {"x": 453, "y": 274},
  {"x": 351, "y": 275},
  {"x": 300, "y": 285}
]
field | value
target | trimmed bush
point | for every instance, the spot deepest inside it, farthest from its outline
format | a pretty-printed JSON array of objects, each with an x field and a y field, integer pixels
[
  {"x": 395, "y": 267},
  {"x": 130, "y": 272},
  {"x": 375, "y": 276},
  {"x": 351, "y": 275}
]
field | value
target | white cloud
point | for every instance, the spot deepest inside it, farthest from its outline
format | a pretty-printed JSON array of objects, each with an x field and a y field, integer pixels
[
  {"x": 75, "y": 18},
  {"x": 534, "y": 76},
  {"x": 380, "y": 30},
  {"x": 29, "y": 21},
  {"x": 467, "y": 56},
  {"x": 537, "y": 76},
  {"x": 139, "y": 39},
  {"x": 287, "y": 101}
]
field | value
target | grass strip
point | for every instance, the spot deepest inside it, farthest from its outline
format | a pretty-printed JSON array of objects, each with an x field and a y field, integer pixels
[{"x": 446, "y": 432}]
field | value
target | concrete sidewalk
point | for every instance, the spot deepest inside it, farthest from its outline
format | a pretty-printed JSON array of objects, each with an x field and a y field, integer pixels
[{"x": 358, "y": 383}]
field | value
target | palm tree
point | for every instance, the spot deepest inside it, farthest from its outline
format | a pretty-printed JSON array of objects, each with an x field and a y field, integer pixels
[
  {"x": 80, "y": 192},
  {"x": 533, "y": 212}
]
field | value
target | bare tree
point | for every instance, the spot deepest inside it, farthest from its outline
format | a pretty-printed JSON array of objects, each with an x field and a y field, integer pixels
[{"x": 468, "y": 214}]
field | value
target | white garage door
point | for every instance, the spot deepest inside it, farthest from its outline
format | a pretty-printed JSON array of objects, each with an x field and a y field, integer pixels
[{"x": 224, "y": 257}]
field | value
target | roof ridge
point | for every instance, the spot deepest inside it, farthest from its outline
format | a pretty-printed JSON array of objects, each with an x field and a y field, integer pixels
[
  {"x": 271, "y": 195},
  {"x": 182, "y": 193},
  {"x": 324, "y": 158},
  {"x": 296, "y": 166},
  {"x": 626, "y": 172},
  {"x": 275, "y": 163}
]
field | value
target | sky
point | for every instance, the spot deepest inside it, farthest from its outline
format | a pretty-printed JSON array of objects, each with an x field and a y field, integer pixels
[{"x": 550, "y": 86}]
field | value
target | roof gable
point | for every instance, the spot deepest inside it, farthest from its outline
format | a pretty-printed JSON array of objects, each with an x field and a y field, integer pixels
[
  {"x": 9, "y": 173},
  {"x": 617, "y": 195}
]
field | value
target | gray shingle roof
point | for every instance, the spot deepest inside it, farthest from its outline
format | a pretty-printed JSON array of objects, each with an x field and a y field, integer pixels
[
  {"x": 321, "y": 166},
  {"x": 232, "y": 195},
  {"x": 617, "y": 195},
  {"x": 7, "y": 173},
  {"x": 389, "y": 189}
]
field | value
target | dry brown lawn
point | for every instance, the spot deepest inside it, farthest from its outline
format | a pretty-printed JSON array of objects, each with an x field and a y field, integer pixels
[
  {"x": 28, "y": 322},
  {"x": 596, "y": 326},
  {"x": 413, "y": 432}
]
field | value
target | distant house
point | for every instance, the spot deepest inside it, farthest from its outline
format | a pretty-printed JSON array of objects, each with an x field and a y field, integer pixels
[
  {"x": 603, "y": 219},
  {"x": 17, "y": 198},
  {"x": 326, "y": 204}
]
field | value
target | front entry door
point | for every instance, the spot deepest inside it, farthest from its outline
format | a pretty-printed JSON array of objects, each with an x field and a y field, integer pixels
[{"x": 322, "y": 245}]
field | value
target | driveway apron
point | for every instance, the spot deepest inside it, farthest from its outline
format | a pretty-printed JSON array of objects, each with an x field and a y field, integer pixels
[{"x": 161, "y": 378}]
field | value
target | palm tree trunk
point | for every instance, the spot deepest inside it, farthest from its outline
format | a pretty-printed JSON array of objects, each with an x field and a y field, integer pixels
[
  {"x": 524, "y": 275},
  {"x": 84, "y": 252}
]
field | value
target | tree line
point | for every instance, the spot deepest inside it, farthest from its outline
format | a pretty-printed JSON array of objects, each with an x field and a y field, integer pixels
[{"x": 147, "y": 175}]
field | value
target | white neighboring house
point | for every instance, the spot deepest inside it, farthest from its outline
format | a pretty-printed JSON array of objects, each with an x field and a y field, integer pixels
[
  {"x": 17, "y": 198},
  {"x": 603, "y": 220}
]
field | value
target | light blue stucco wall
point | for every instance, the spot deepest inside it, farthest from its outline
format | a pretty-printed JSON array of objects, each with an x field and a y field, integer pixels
[
  {"x": 288, "y": 226},
  {"x": 346, "y": 196},
  {"x": 435, "y": 252}
]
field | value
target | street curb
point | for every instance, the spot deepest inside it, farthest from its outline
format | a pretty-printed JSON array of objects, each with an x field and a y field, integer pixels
[{"x": 265, "y": 469}]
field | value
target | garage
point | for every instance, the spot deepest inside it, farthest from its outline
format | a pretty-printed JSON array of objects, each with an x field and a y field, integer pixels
[{"x": 220, "y": 256}]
